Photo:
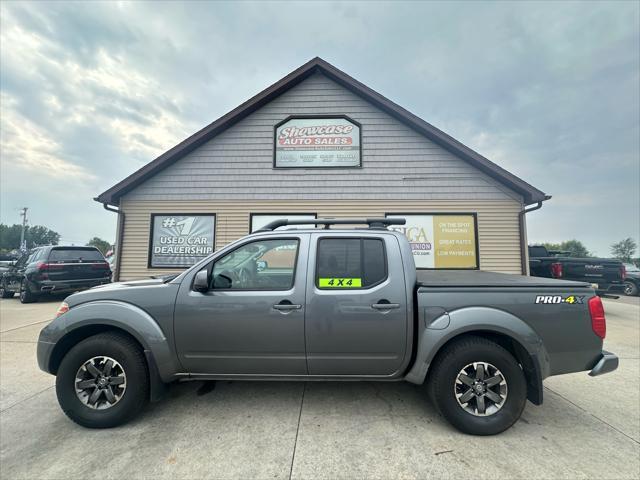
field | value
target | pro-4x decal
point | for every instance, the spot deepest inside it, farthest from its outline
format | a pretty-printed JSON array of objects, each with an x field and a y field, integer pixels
[{"x": 570, "y": 299}]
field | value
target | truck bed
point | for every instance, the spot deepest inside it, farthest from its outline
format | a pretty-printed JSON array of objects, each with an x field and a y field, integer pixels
[{"x": 480, "y": 278}]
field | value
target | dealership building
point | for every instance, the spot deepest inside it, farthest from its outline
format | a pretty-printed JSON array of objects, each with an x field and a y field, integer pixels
[{"x": 319, "y": 143}]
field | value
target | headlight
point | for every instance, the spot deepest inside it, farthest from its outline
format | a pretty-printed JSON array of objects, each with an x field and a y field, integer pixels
[{"x": 62, "y": 309}]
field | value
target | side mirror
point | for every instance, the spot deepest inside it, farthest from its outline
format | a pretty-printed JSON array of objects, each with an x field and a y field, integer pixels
[
  {"x": 261, "y": 265},
  {"x": 201, "y": 282}
]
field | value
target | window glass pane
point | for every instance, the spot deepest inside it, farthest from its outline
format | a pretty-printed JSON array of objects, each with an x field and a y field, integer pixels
[
  {"x": 262, "y": 265},
  {"x": 75, "y": 255},
  {"x": 259, "y": 221},
  {"x": 374, "y": 262},
  {"x": 350, "y": 263}
]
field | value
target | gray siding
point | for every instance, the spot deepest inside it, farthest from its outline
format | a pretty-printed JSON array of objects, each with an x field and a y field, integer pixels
[{"x": 398, "y": 163}]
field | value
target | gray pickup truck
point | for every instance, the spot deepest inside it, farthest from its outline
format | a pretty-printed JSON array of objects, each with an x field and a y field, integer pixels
[{"x": 325, "y": 304}]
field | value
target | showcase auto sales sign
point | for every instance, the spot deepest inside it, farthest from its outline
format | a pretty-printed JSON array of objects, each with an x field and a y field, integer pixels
[{"x": 317, "y": 142}]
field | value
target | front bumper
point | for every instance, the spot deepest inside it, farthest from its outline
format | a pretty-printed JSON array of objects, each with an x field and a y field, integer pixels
[
  {"x": 608, "y": 363},
  {"x": 46, "y": 343}
]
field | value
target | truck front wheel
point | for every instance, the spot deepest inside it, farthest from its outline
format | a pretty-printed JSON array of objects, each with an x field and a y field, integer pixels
[
  {"x": 478, "y": 386},
  {"x": 102, "y": 381}
]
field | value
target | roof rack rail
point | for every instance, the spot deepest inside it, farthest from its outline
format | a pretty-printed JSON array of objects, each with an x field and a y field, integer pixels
[{"x": 377, "y": 223}]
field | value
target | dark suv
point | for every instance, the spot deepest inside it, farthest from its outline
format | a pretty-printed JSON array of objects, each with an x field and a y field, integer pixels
[{"x": 54, "y": 269}]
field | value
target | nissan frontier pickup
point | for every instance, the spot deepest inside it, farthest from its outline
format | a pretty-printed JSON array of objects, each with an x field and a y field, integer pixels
[{"x": 325, "y": 304}]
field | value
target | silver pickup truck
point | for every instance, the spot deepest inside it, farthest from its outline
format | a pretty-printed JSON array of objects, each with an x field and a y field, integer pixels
[{"x": 325, "y": 304}]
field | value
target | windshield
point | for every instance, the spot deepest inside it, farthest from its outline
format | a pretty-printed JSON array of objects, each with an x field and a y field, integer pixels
[{"x": 631, "y": 268}]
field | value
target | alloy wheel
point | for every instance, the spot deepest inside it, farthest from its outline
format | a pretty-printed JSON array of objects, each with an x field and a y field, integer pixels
[
  {"x": 480, "y": 389},
  {"x": 100, "y": 383},
  {"x": 628, "y": 288}
]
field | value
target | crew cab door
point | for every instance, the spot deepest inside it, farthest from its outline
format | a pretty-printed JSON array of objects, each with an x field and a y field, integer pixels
[
  {"x": 251, "y": 320},
  {"x": 357, "y": 316}
]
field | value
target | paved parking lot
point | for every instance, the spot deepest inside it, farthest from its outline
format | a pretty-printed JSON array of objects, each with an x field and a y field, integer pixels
[{"x": 587, "y": 427}]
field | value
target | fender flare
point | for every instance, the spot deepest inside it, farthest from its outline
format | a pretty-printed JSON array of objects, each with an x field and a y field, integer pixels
[
  {"x": 131, "y": 319},
  {"x": 477, "y": 319}
]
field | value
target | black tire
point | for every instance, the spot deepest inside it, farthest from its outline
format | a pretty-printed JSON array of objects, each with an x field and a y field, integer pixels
[
  {"x": 26, "y": 295},
  {"x": 442, "y": 386},
  {"x": 124, "y": 350},
  {"x": 630, "y": 289},
  {"x": 4, "y": 292}
]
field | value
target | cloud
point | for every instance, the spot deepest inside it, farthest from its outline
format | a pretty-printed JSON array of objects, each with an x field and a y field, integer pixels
[
  {"x": 26, "y": 146},
  {"x": 550, "y": 92}
]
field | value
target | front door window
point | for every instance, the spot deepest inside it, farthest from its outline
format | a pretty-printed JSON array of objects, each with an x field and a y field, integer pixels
[{"x": 261, "y": 265}]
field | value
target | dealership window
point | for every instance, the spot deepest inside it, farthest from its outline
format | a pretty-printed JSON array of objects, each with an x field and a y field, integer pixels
[
  {"x": 260, "y": 265},
  {"x": 259, "y": 220},
  {"x": 179, "y": 240},
  {"x": 350, "y": 263},
  {"x": 441, "y": 240}
]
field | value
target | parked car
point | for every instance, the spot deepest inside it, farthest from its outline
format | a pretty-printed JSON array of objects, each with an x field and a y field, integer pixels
[
  {"x": 6, "y": 261},
  {"x": 54, "y": 269},
  {"x": 325, "y": 304},
  {"x": 607, "y": 275},
  {"x": 632, "y": 280}
]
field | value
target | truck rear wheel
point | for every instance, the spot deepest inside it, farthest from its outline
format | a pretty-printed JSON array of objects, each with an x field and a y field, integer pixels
[
  {"x": 630, "y": 288},
  {"x": 102, "y": 381},
  {"x": 478, "y": 386}
]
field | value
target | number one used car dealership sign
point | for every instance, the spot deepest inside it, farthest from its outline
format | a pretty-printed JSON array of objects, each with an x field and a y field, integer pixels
[
  {"x": 441, "y": 240},
  {"x": 317, "y": 142}
]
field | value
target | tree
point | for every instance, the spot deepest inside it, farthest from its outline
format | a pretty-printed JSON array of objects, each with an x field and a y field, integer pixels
[
  {"x": 34, "y": 236},
  {"x": 100, "y": 244},
  {"x": 39, "y": 235},
  {"x": 575, "y": 248},
  {"x": 624, "y": 249}
]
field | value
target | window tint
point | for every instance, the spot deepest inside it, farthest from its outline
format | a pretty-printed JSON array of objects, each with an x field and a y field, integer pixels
[
  {"x": 350, "y": 263},
  {"x": 261, "y": 265},
  {"x": 75, "y": 255}
]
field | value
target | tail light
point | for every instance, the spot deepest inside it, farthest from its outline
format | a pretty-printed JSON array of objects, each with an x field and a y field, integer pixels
[
  {"x": 43, "y": 267},
  {"x": 623, "y": 272},
  {"x": 100, "y": 266},
  {"x": 598, "y": 321},
  {"x": 556, "y": 270}
]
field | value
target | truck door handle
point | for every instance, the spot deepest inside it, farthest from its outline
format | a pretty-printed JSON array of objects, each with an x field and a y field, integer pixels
[
  {"x": 385, "y": 305},
  {"x": 286, "y": 306}
]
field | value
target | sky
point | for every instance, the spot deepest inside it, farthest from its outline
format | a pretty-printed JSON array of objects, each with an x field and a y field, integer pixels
[{"x": 90, "y": 92}]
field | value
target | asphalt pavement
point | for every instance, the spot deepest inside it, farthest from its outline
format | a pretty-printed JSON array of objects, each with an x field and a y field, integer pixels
[{"x": 587, "y": 428}]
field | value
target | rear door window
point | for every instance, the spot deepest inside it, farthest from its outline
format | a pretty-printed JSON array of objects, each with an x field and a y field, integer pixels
[
  {"x": 75, "y": 255},
  {"x": 346, "y": 263}
]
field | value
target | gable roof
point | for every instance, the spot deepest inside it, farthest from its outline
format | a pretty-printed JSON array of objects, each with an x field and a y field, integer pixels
[{"x": 530, "y": 194}]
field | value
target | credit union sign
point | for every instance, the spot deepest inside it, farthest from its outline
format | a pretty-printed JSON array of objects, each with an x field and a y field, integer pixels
[{"x": 438, "y": 240}]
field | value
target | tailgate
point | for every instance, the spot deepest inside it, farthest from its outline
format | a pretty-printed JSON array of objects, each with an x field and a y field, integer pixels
[
  {"x": 67, "y": 264},
  {"x": 595, "y": 271}
]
